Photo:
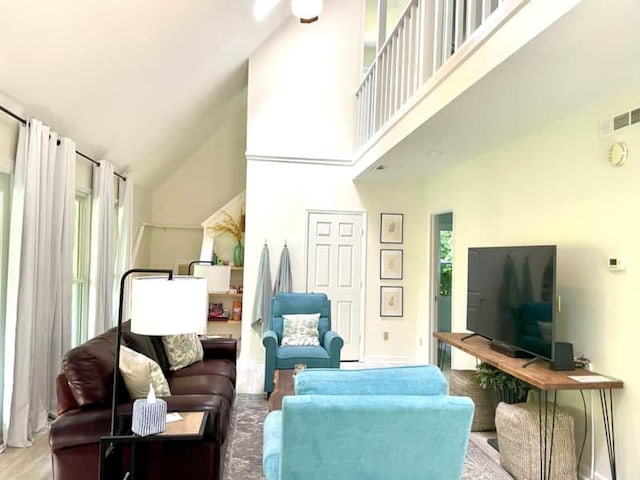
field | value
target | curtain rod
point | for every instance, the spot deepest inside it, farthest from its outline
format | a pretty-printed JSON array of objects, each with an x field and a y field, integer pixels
[{"x": 24, "y": 122}]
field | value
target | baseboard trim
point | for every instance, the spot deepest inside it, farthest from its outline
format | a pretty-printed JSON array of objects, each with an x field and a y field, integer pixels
[{"x": 392, "y": 359}]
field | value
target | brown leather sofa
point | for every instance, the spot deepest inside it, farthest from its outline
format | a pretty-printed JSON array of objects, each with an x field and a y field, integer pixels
[{"x": 84, "y": 391}]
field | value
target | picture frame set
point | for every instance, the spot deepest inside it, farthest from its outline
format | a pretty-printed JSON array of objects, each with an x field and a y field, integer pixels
[
  {"x": 391, "y": 227},
  {"x": 391, "y": 264},
  {"x": 391, "y": 301}
]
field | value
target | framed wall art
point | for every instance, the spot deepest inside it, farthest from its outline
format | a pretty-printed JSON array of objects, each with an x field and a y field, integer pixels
[
  {"x": 391, "y": 225},
  {"x": 391, "y": 264},
  {"x": 391, "y": 302}
]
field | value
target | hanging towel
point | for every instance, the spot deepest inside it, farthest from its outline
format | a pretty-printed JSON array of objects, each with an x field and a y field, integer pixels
[
  {"x": 263, "y": 291},
  {"x": 283, "y": 278}
]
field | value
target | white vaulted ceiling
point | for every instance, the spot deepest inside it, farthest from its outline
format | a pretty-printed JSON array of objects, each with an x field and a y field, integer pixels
[{"x": 142, "y": 83}]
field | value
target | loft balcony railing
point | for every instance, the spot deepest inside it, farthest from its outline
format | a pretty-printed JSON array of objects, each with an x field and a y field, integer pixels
[{"x": 419, "y": 53}]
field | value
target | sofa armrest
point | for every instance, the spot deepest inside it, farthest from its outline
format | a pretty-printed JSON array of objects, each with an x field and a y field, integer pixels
[
  {"x": 333, "y": 343},
  {"x": 220, "y": 348},
  {"x": 271, "y": 445},
  {"x": 78, "y": 427},
  {"x": 270, "y": 342}
]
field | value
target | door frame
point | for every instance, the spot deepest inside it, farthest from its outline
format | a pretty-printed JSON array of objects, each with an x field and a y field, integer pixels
[
  {"x": 363, "y": 264},
  {"x": 434, "y": 252}
]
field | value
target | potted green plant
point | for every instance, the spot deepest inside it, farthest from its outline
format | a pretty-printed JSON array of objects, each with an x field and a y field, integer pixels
[{"x": 508, "y": 388}]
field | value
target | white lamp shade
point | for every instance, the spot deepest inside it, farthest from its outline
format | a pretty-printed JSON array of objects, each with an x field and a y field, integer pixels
[
  {"x": 218, "y": 277},
  {"x": 160, "y": 306},
  {"x": 306, "y": 9}
]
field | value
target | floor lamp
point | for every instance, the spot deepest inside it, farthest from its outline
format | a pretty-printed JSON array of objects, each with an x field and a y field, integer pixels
[
  {"x": 170, "y": 305},
  {"x": 217, "y": 276},
  {"x": 200, "y": 262}
]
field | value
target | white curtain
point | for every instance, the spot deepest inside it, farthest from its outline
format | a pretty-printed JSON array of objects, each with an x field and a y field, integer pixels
[
  {"x": 123, "y": 250},
  {"x": 40, "y": 275},
  {"x": 102, "y": 250}
]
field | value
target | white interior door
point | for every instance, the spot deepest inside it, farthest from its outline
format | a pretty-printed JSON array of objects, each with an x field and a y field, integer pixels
[{"x": 334, "y": 267}]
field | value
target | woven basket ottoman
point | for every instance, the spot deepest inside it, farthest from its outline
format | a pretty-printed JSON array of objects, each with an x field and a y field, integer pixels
[
  {"x": 463, "y": 383},
  {"x": 519, "y": 441}
]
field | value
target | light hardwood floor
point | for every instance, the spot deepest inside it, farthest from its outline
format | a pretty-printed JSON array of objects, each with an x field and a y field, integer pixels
[{"x": 27, "y": 463}]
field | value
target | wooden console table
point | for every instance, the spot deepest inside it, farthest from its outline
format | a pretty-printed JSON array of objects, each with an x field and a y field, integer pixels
[{"x": 545, "y": 380}]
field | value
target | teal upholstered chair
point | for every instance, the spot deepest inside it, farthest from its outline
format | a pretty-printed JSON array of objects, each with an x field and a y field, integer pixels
[
  {"x": 327, "y": 355},
  {"x": 378, "y": 424}
]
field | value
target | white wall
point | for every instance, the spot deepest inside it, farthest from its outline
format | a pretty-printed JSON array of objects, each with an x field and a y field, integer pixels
[
  {"x": 301, "y": 87},
  {"x": 207, "y": 180},
  {"x": 141, "y": 213},
  {"x": 555, "y": 186},
  {"x": 279, "y": 196}
]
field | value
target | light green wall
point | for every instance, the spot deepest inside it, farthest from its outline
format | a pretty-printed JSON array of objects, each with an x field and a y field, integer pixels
[{"x": 555, "y": 186}]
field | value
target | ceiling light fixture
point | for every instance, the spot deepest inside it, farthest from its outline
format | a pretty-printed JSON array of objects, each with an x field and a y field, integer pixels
[
  {"x": 307, "y": 10},
  {"x": 262, "y": 8}
]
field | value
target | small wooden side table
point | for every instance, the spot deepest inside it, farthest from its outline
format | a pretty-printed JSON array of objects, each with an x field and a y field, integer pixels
[
  {"x": 191, "y": 427},
  {"x": 283, "y": 381}
]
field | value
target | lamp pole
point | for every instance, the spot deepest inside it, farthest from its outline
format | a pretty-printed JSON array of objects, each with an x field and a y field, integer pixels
[
  {"x": 114, "y": 399},
  {"x": 200, "y": 262}
]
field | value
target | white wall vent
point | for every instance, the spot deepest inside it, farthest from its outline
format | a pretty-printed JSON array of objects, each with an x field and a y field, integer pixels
[{"x": 616, "y": 122}]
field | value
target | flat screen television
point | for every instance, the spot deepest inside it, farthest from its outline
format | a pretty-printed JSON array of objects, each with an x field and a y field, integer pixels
[{"x": 511, "y": 294}]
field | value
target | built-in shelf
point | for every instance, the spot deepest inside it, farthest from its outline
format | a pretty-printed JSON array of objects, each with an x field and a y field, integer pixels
[{"x": 229, "y": 323}]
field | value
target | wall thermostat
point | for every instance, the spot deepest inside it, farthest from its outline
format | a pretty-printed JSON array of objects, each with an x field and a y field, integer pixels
[
  {"x": 616, "y": 264},
  {"x": 618, "y": 154}
]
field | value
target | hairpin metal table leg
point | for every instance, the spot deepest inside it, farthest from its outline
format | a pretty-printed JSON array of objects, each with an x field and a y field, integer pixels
[
  {"x": 607, "y": 417},
  {"x": 546, "y": 443}
]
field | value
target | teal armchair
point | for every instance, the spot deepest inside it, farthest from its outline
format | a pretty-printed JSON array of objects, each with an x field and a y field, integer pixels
[
  {"x": 327, "y": 355},
  {"x": 379, "y": 424}
]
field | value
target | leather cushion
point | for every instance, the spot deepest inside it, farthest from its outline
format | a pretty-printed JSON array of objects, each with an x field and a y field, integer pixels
[
  {"x": 64, "y": 395},
  {"x": 89, "y": 369},
  {"x": 141, "y": 344},
  {"x": 203, "y": 384},
  {"x": 226, "y": 368},
  {"x": 161, "y": 355},
  {"x": 220, "y": 348},
  {"x": 148, "y": 345}
]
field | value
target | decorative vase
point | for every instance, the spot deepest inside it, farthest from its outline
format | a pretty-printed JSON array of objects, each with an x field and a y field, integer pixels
[{"x": 238, "y": 255}]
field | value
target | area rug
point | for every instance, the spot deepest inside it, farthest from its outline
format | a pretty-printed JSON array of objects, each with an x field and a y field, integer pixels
[{"x": 244, "y": 451}]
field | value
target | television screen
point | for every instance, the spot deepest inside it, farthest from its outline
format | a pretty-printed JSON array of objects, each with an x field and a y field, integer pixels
[{"x": 510, "y": 296}]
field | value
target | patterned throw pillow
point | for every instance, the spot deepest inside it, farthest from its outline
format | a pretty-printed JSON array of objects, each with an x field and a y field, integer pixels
[
  {"x": 139, "y": 372},
  {"x": 182, "y": 350},
  {"x": 300, "y": 330}
]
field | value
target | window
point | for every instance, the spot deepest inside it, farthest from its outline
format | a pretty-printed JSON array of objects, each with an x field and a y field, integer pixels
[
  {"x": 446, "y": 262},
  {"x": 5, "y": 213},
  {"x": 81, "y": 256}
]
